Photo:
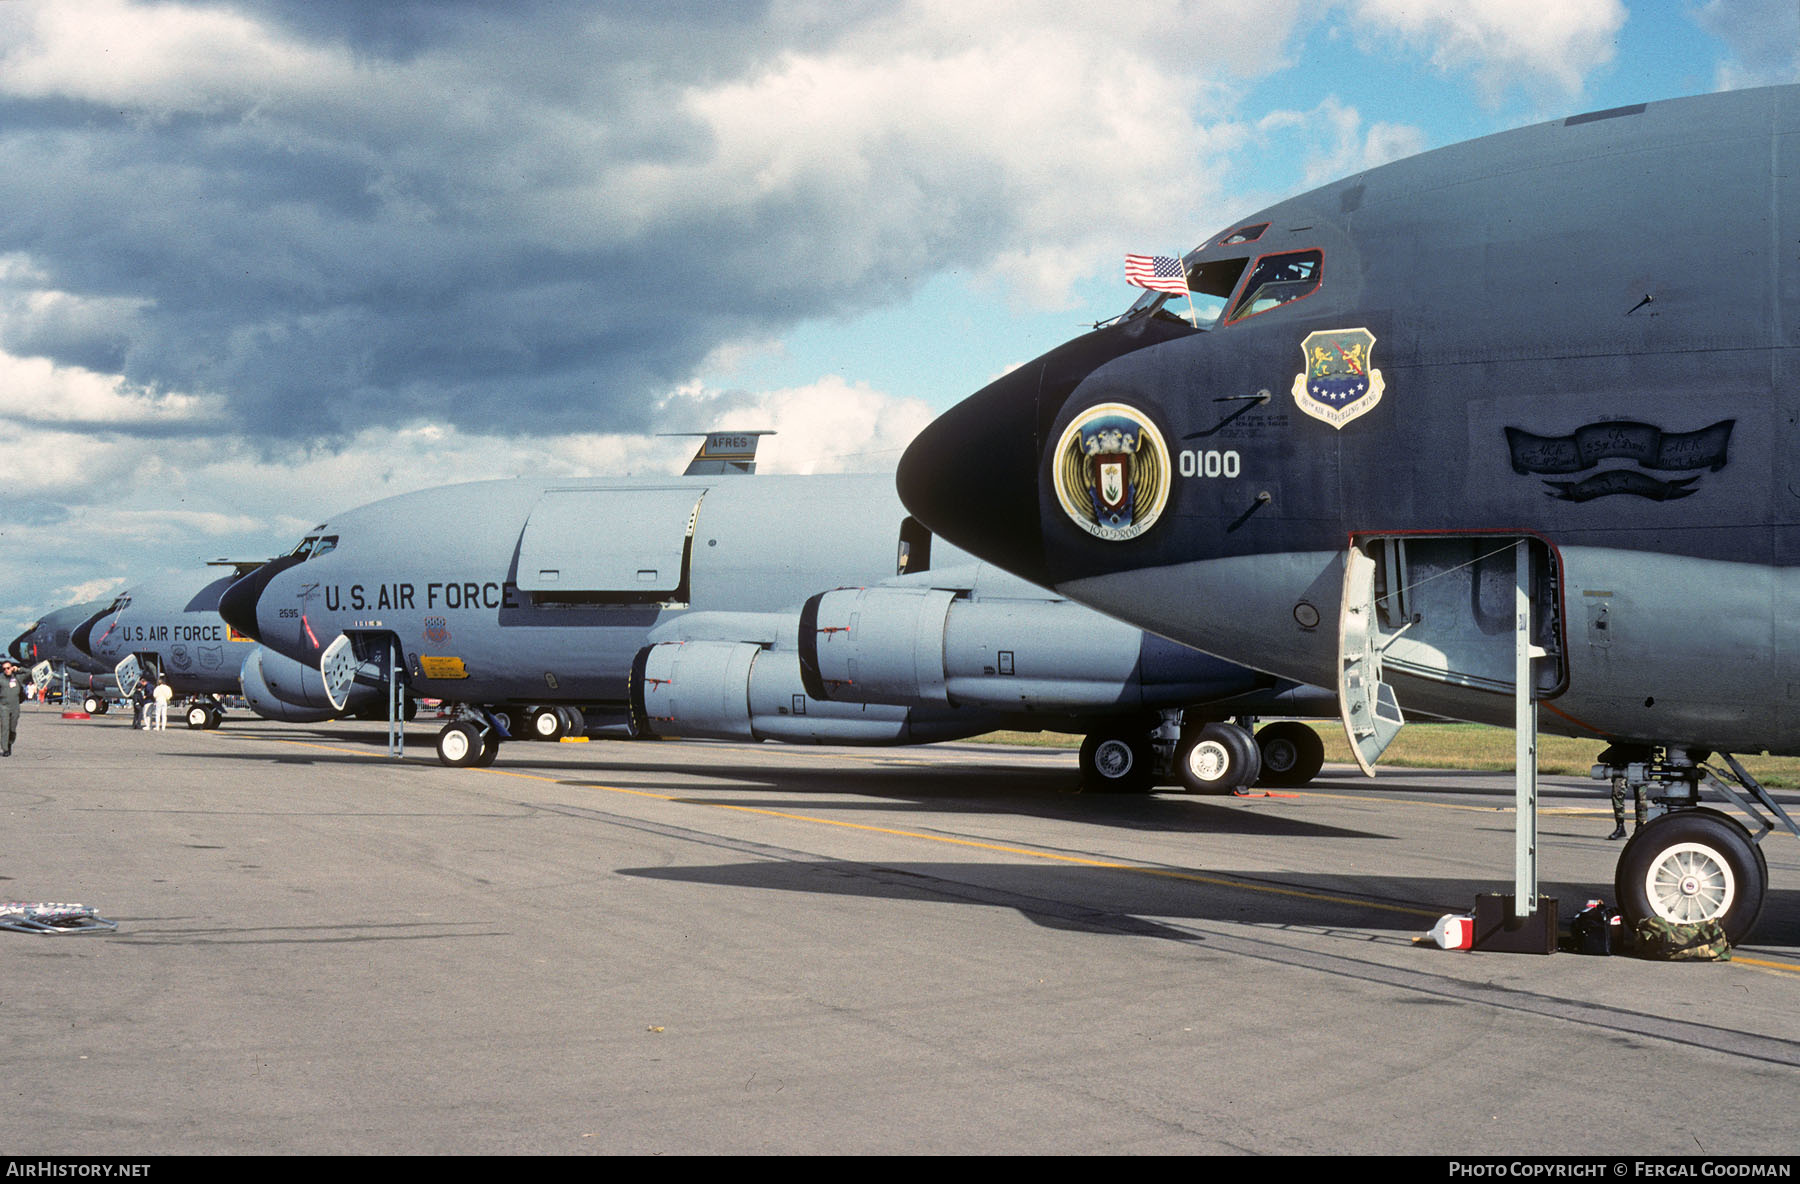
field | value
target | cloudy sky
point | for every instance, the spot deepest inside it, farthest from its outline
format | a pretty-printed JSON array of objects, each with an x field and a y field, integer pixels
[{"x": 264, "y": 260}]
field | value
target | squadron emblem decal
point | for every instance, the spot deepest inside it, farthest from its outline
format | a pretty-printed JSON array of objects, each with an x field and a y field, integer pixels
[
  {"x": 1339, "y": 382},
  {"x": 1111, "y": 471}
]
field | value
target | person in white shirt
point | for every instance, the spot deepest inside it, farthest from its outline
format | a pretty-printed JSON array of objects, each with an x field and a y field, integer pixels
[{"x": 162, "y": 694}]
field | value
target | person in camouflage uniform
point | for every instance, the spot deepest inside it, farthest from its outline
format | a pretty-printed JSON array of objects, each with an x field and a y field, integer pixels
[
  {"x": 1643, "y": 807},
  {"x": 12, "y": 691}
]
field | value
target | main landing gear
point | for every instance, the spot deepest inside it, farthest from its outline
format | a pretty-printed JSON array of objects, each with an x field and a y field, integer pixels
[
  {"x": 473, "y": 739},
  {"x": 468, "y": 744},
  {"x": 1203, "y": 757},
  {"x": 1692, "y": 863},
  {"x": 203, "y": 715}
]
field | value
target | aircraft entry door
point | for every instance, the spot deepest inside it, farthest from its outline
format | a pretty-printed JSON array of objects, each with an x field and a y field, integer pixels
[{"x": 1441, "y": 608}]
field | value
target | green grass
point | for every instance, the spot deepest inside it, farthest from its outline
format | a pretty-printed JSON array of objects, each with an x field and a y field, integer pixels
[{"x": 1459, "y": 746}]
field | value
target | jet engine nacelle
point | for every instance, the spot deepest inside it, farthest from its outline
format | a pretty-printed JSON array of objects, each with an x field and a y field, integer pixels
[
  {"x": 898, "y": 645},
  {"x": 282, "y": 689},
  {"x": 735, "y": 690}
]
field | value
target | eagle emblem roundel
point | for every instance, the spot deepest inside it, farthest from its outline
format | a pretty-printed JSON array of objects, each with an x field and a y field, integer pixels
[{"x": 1111, "y": 471}]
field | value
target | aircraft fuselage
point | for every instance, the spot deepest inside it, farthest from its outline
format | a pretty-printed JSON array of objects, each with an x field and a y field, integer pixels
[{"x": 1581, "y": 335}]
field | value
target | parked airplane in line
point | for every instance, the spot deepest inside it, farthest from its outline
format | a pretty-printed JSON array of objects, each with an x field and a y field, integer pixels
[
  {"x": 1576, "y": 342},
  {"x": 47, "y": 648},
  {"x": 172, "y": 626},
  {"x": 675, "y": 605}
]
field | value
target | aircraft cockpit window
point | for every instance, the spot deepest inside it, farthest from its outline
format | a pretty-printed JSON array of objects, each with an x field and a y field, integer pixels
[
  {"x": 325, "y": 546},
  {"x": 305, "y": 548},
  {"x": 1209, "y": 287},
  {"x": 1244, "y": 234},
  {"x": 1276, "y": 280}
]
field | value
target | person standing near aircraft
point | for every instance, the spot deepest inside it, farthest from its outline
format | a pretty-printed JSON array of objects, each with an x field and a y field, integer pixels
[
  {"x": 162, "y": 694},
  {"x": 140, "y": 703},
  {"x": 12, "y": 690},
  {"x": 1619, "y": 782}
]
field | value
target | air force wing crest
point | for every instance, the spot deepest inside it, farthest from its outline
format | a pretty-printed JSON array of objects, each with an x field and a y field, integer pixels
[
  {"x": 1339, "y": 381},
  {"x": 1112, "y": 472}
]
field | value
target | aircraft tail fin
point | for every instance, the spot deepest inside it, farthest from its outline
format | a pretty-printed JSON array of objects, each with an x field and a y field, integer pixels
[{"x": 723, "y": 452}]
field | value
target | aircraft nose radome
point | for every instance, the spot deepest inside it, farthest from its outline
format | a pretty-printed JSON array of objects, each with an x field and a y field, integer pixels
[
  {"x": 971, "y": 476},
  {"x": 82, "y": 635},
  {"x": 237, "y": 605}
]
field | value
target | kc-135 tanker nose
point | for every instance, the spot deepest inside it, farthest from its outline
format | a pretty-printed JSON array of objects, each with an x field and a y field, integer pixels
[
  {"x": 973, "y": 475},
  {"x": 238, "y": 603}
]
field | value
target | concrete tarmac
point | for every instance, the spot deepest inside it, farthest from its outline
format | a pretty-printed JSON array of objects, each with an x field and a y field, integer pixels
[{"x": 616, "y": 947}]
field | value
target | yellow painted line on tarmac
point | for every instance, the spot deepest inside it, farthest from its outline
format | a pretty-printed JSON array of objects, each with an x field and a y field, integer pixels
[{"x": 1763, "y": 964}]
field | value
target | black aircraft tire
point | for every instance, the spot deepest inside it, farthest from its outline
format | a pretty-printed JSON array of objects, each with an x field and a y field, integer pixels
[
  {"x": 214, "y": 717},
  {"x": 1116, "y": 762},
  {"x": 1292, "y": 753},
  {"x": 490, "y": 749},
  {"x": 1217, "y": 759},
  {"x": 1693, "y": 865},
  {"x": 546, "y": 724},
  {"x": 92, "y": 705},
  {"x": 459, "y": 744},
  {"x": 198, "y": 717}
]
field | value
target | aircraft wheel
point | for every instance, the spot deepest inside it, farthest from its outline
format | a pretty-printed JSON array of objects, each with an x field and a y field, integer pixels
[
  {"x": 1116, "y": 762},
  {"x": 215, "y": 716},
  {"x": 459, "y": 744},
  {"x": 547, "y": 723},
  {"x": 91, "y": 705},
  {"x": 198, "y": 716},
  {"x": 1217, "y": 759},
  {"x": 490, "y": 749},
  {"x": 1693, "y": 865},
  {"x": 1292, "y": 753},
  {"x": 409, "y": 710}
]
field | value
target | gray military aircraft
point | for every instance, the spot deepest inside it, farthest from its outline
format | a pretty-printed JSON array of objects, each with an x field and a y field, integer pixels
[
  {"x": 675, "y": 606},
  {"x": 1573, "y": 343},
  {"x": 172, "y": 626},
  {"x": 48, "y": 646}
]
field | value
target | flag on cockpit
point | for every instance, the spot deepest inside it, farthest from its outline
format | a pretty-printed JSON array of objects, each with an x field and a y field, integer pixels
[{"x": 1159, "y": 273}]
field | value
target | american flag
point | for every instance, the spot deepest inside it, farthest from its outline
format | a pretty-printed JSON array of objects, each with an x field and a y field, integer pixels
[{"x": 1159, "y": 273}]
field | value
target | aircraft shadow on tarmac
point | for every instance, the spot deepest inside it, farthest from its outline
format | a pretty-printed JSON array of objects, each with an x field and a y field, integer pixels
[
  {"x": 973, "y": 789},
  {"x": 1121, "y": 901}
]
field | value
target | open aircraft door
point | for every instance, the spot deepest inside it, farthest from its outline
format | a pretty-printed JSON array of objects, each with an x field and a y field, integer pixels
[
  {"x": 1444, "y": 608},
  {"x": 129, "y": 672},
  {"x": 369, "y": 658}
]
